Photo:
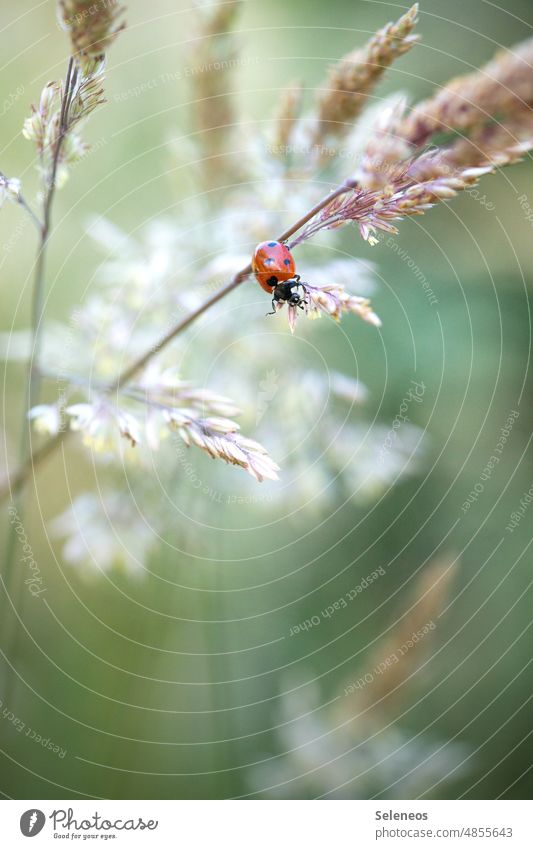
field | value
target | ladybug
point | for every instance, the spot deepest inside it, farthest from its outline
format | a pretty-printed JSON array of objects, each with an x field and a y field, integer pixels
[{"x": 274, "y": 269}]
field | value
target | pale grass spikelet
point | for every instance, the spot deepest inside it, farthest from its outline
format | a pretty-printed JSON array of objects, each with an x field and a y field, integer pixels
[
  {"x": 333, "y": 300},
  {"x": 10, "y": 189},
  {"x": 44, "y": 129},
  {"x": 43, "y": 124},
  {"x": 51, "y": 127},
  {"x": 100, "y": 421},
  {"x": 199, "y": 416},
  {"x": 220, "y": 439},
  {"x": 164, "y": 388},
  {"x": 355, "y": 75},
  {"x": 46, "y": 418},
  {"x": 88, "y": 92},
  {"x": 93, "y": 25},
  {"x": 330, "y": 299}
]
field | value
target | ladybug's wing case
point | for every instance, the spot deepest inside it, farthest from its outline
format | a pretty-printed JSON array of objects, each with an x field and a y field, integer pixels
[
  {"x": 272, "y": 263},
  {"x": 262, "y": 280},
  {"x": 265, "y": 266},
  {"x": 285, "y": 268}
]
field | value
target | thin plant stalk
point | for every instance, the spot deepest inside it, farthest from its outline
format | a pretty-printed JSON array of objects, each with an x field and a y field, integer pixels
[
  {"x": 25, "y": 205},
  {"x": 33, "y": 381}
]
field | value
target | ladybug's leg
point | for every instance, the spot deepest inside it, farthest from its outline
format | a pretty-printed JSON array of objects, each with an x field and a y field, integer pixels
[
  {"x": 304, "y": 299},
  {"x": 273, "y": 308}
]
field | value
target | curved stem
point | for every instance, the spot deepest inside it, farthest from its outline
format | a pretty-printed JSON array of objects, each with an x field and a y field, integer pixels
[
  {"x": 20, "y": 476},
  {"x": 25, "y": 205},
  {"x": 33, "y": 375}
]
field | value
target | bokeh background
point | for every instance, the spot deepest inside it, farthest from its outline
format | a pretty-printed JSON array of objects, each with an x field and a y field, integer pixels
[{"x": 185, "y": 682}]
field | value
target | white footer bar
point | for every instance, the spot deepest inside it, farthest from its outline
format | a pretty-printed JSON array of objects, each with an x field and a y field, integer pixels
[{"x": 268, "y": 824}]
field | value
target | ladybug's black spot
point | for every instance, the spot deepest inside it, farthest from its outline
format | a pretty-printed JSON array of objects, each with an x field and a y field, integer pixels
[
  {"x": 272, "y": 244},
  {"x": 272, "y": 281},
  {"x": 287, "y": 261}
]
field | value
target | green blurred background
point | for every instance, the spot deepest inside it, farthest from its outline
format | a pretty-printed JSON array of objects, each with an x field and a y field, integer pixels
[{"x": 170, "y": 687}]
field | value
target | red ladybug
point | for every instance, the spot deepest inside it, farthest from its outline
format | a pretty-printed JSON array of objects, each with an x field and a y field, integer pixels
[{"x": 274, "y": 269}]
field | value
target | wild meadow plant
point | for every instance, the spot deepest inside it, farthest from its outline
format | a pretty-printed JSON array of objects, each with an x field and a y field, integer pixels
[{"x": 382, "y": 163}]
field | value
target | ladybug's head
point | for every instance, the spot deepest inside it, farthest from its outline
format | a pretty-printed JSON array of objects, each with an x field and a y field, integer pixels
[
  {"x": 295, "y": 299},
  {"x": 292, "y": 292}
]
